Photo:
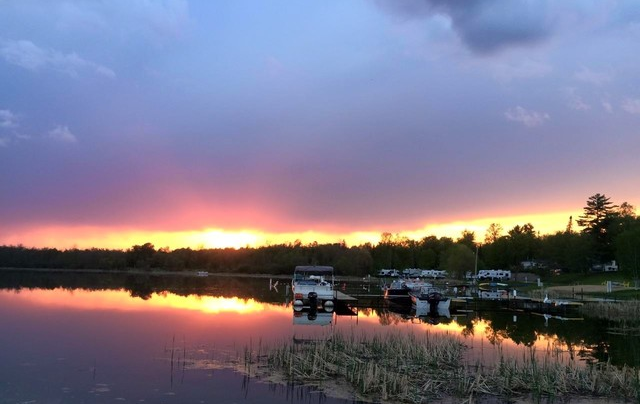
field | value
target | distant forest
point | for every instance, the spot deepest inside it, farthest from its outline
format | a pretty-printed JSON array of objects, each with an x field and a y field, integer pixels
[{"x": 606, "y": 232}]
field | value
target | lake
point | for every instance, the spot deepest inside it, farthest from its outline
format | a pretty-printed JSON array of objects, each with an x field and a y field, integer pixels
[{"x": 108, "y": 338}]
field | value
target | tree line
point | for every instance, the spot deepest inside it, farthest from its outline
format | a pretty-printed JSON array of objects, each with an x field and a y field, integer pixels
[{"x": 607, "y": 232}]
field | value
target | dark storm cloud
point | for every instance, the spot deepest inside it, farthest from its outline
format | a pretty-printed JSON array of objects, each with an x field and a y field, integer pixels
[{"x": 484, "y": 26}]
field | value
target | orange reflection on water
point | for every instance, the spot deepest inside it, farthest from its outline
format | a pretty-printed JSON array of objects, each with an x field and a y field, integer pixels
[
  {"x": 481, "y": 336},
  {"x": 482, "y": 340},
  {"x": 211, "y": 304},
  {"x": 477, "y": 334},
  {"x": 121, "y": 300}
]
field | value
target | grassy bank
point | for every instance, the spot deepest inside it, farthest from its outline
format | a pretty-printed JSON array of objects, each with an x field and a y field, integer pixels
[{"x": 413, "y": 369}]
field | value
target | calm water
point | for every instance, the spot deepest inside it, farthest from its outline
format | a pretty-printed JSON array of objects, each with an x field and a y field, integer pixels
[{"x": 71, "y": 338}]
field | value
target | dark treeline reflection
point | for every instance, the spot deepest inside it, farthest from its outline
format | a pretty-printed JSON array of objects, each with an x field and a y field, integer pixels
[
  {"x": 144, "y": 285},
  {"x": 589, "y": 339}
]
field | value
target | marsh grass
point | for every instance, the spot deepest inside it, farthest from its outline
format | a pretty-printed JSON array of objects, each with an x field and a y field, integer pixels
[
  {"x": 421, "y": 368},
  {"x": 378, "y": 366},
  {"x": 624, "y": 315},
  {"x": 622, "y": 310}
]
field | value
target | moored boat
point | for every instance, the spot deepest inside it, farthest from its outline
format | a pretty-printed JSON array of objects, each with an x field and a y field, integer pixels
[
  {"x": 401, "y": 288},
  {"x": 429, "y": 298},
  {"x": 313, "y": 286}
]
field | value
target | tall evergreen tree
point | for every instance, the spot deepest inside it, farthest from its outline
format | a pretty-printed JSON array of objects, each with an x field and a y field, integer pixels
[
  {"x": 598, "y": 209},
  {"x": 596, "y": 219},
  {"x": 569, "y": 229}
]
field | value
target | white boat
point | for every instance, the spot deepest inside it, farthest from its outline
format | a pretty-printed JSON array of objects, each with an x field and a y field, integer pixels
[
  {"x": 313, "y": 285},
  {"x": 493, "y": 291},
  {"x": 429, "y": 298},
  {"x": 417, "y": 284}
]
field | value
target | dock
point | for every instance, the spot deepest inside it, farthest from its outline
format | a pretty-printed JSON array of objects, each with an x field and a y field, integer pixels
[
  {"x": 344, "y": 298},
  {"x": 345, "y": 304},
  {"x": 525, "y": 304}
]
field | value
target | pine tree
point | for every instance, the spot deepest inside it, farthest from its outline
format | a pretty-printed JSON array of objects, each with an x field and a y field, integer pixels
[
  {"x": 598, "y": 209},
  {"x": 596, "y": 219},
  {"x": 570, "y": 225}
]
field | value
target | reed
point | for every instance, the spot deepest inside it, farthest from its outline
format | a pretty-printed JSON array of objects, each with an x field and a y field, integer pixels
[
  {"x": 628, "y": 310},
  {"x": 417, "y": 368},
  {"x": 541, "y": 378},
  {"x": 380, "y": 366}
]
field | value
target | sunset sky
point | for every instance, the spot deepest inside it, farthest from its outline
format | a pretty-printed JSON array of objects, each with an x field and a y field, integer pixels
[{"x": 232, "y": 123}]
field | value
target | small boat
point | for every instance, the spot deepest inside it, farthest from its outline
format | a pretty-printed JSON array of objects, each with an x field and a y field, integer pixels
[
  {"x": 313, "y": 286},
  {"x": 429, "y": 298},
  {"x": 400, "y": 288},
  {"x": 202, "y": 273},
  {"x": 493, "y": 291}
]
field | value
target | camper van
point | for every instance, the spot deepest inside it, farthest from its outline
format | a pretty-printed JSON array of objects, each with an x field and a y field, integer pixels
[
  {"x": 411, "y": 272},
  {"x": 389, "y": 272},
  {"x": 433, "y": 273},
  {"x": 493, "y": 274}
]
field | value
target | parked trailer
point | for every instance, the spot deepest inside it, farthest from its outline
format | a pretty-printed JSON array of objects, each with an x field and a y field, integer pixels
[
  {"x": 411, "y": 272},
  {"x": 389, "y": 272},
  {"x": 500, "y": 274},
  {"x": 433, "y": 273}
]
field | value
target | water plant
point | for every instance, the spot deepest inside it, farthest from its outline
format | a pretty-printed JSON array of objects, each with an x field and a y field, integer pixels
[{"x": 412, "y": 368}]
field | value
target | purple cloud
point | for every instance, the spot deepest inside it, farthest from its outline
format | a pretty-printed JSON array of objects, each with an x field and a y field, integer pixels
[
  {"x": 28, "y": 55},
  {"x": 484, "y": 26},
  {"x": 528, "y": 118}
]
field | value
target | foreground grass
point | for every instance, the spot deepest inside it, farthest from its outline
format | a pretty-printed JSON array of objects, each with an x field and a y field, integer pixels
[{"x": 414, "y": 369}]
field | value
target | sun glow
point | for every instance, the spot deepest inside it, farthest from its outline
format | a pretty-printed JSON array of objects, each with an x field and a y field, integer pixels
[{"x": 223, "y": 239}]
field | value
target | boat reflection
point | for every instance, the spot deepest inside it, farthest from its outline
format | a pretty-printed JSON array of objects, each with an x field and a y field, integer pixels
[
  {"x": 438, "y": 315},
  {"x": 314, "y": 314},
  {"x": 416, "y": 314},
  {"x": 312, "y": 318}
]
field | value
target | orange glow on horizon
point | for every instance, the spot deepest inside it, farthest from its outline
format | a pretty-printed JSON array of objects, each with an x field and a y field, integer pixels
[{"x": 83, "y": 237}]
